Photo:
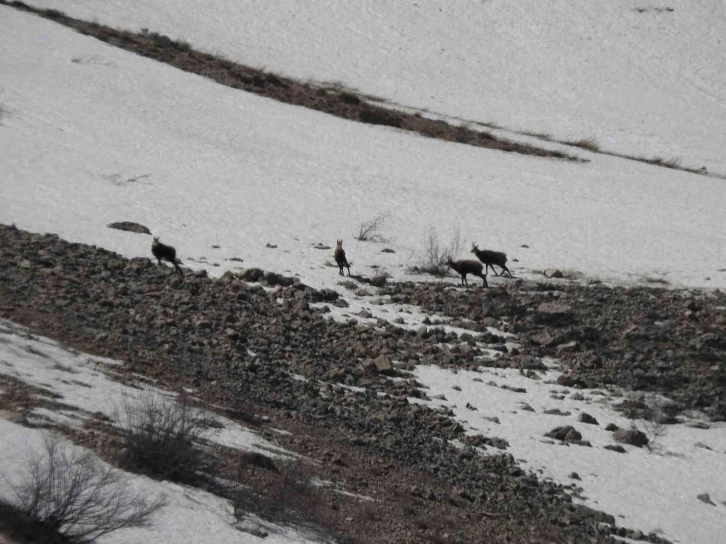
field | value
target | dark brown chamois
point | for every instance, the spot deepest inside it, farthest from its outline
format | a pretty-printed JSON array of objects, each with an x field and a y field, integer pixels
[
  {"x": 468, "y": 267},
  {"x": 340, "y": 258},
  {"x": 166, "y": 253},
  {"x": 491, "y": 258}
]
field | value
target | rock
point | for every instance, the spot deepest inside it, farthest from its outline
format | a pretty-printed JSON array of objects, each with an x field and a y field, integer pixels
[
  {"x": 329, "y": 295},
  {"x": 383, "y": 365},
  {"x": 422, "y": 331},
  {"x": 553, "y": 273},
  {"x": 634, "y": 437},
  {"x": 514, "y": 389},
  {"x": 705, "y": 497},
  {"x": 566, "y": 433},
  {"x": 569, "y": 380},
  {"x": 378, "y": 281},
  {"x": 575, "y": 476},
  {"x": 251, "y": 274},
  {"x": 387, "y": 250},
  {"x": 541, "y": 339},
  {"x": 129, "y": 226},
  {"x": 615, "y": 447},
  {"x": 611, "y": 427},
  {"x": 697, "y": 425},
  {"x": 258, "y": 459},
  {"x": 568, "y": 347},
  {"x": 554, "y": 308},
  {"x": 556, "y": 412},
  {"x": 587, "y": 418},
  {"x": 273, "y": 278}
]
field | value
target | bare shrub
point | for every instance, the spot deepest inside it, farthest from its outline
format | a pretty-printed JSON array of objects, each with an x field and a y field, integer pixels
[
  {"x": 673, "y": 162},
  {"x": 436, "y": 253},
  {"x": 161, "y": 438},
  {"x": 370, "y": 230},
  {"x": 654, "y": 429},
  {"x": 68, "y": 495},
  {"x": 380, "y": 277},
  {"x": 381, "y": 116},
  {"x": 590, "y": 144}
]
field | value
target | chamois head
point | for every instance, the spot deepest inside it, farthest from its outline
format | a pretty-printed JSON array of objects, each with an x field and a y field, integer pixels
[
  {"x": 156, "y": 241},
  {"x": 339, "y": 243}
]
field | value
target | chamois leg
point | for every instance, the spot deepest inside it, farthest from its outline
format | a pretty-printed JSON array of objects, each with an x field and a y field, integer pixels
[
  {"x": 348, "y": 267},
  {"x": 484, "y": 277},
  {"x": 505, "y": 269},
  {"x": 178, "y": 268},
  {"x": 464, "y": 281}
]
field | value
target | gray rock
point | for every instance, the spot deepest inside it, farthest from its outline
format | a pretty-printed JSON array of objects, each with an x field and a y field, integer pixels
[
  {"x": 553, "y": 273},
  {"x": 251, "y": 274},
  {"x": 611, "y": 427},
  {"x": 634, "y": 437},
  {"x": 587, "y": 418},
  {"x": 566, "y": 433}
]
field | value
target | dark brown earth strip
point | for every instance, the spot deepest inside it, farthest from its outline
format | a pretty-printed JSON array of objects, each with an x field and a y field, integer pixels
[{"x": 327, "y": 99}]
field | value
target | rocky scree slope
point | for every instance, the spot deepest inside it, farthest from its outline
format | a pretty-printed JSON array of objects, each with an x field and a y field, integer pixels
[
  {"x": 249, "y": 343},
  {"x": 654, "y": 339}
]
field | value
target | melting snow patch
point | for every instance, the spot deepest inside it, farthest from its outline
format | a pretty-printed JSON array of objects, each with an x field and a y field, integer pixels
[
  {"x": 651, "y": 489},
  {"x": 43, "y": 363}
]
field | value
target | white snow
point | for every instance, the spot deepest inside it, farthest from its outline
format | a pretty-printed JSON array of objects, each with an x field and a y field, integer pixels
[
  {"x": 647, "y": 83},
  {"x": 231, "y": 169},
  {"x": 646, "y": 490},
  {"x": 190, "y": 515},
  {"x": 91, "y": 134}
]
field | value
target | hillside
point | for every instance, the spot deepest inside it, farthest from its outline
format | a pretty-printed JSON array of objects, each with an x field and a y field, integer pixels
[{"x": 581, "y": 400}]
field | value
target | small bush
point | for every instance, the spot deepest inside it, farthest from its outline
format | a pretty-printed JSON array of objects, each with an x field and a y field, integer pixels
[
  {"x": 68, "y": 495},
  {"x": 164, "y": 41},
  {"x": 436, "y": 253},
  {"x": 350, "y": 98},
  {"x": 590, "y": 144},
  {"x": 370, "y": 230},
  {"x": 54, "y": 14},
  {"x": 381, "y": 116},
  {"x": 161, "y": 438},
  {"x": 674, "y": 162}
]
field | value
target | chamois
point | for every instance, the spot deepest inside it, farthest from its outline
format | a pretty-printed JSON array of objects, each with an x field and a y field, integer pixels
[
  {"x": 468, "y": 267},
  {"x": 340, "y": 258},
  {"x": 491, "y": 258},
  {"x": 167, "y": 253}
]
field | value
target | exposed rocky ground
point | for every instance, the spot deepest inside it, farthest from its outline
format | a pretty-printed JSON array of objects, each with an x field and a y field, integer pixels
[
  {"x": 653, "y": 339},
  {"x": 271, "y": 350}
]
